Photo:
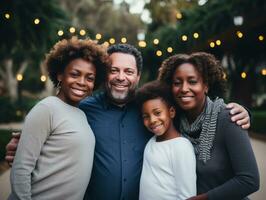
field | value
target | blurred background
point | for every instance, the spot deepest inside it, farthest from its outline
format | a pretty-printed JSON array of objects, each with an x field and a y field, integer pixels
[{"x": 234, "y": 31}]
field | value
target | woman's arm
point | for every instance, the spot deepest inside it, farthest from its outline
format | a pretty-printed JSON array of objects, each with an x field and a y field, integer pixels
[
  {"x": 34, "y": 133},
  {"x": 243, "y": 162}
]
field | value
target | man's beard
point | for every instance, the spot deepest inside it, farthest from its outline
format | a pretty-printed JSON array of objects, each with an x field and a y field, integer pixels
[{"x": 120, "y": 98}]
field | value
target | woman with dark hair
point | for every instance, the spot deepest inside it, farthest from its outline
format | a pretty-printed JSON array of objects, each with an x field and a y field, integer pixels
[
  {"x": 226, "y": 166},
  {"x": 55, "y": 152}
]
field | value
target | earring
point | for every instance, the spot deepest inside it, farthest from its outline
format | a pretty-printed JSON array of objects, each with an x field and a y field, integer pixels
[{"x": 58, "y": 87}]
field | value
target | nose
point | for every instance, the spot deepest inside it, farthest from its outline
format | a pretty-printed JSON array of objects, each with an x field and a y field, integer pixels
[
  {"x": 120, "y": 76},
  {"x": 81, "y": 80},
  {"x": 153, "y": 119},
  {"x": 185, "y": 87}
]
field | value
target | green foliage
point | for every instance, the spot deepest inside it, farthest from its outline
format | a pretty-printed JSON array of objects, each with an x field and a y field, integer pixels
[
  {"x": 212, "y": 21},
  {"x": 258, "y": 122},
  {"x": 5, "y": 136},
  {"x": 15, "y": 112},
  {"x": 19, "y": 34}
]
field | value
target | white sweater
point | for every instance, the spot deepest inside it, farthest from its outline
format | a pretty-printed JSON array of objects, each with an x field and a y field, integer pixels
[
  {"x": 55, "y": 153},
  {"x": 169, "y": 170}
]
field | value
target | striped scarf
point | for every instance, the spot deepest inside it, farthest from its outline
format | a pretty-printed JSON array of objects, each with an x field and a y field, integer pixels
[{"x": 206, "y": 125}]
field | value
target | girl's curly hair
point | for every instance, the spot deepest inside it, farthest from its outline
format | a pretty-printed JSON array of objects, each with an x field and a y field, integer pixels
[
  {"x": 206, "y": 64},
  {"x": 66, "y": 50}
]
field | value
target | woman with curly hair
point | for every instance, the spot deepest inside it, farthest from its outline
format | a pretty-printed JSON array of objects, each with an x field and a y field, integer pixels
[
  {"x": 225, "y": 163},
  {"x": 55, "y": 152}
]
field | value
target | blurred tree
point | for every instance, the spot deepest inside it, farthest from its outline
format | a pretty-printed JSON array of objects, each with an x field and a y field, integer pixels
[
  {"x": 27, "y": 29},
  {"x": 166, "y": 12},
  {"x": 100, "y": 16},
  {"x": 215, "y": 21}
]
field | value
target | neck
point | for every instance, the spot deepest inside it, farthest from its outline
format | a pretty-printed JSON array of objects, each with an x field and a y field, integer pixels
[{"x": 62, "y": 98}]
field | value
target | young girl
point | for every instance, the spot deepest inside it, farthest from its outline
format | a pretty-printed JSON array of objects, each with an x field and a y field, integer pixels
[
  {"x": 55, "y": 152},
  {"x": 169, "y": 165},
  {"x": 226, "y": 166}
]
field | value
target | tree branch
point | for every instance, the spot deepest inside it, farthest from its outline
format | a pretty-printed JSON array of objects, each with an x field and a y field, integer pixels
[{"x": 23, "y": 67}]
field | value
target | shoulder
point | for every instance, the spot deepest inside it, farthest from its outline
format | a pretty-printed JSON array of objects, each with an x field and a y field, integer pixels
[
  {"x": 225, "y": 126},
  {"x": 182, "y": 144},
  {"x": 182, "y": 151},
  {"x": 96, "y": 100},
  {"x": 42, "y": 109},
  {"x": 46, "y": 103},
  {"x": 224, "y": 114}
]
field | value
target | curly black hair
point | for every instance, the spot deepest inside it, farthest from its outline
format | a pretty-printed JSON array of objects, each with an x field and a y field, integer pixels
[
  {"x": 206, "y": 64},
  {"x": 66, "y": 50},
  {"x": 153, "y": 90},
  {"x": 127, "y": 49}
]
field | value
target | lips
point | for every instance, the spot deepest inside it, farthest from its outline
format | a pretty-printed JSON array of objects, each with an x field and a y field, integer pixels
[
  {"x": 156, "y": 128},
  {"x": 78, "y": 92},
  {"x": 120, "y": 87},
  {"x": 185, "y": 98}
]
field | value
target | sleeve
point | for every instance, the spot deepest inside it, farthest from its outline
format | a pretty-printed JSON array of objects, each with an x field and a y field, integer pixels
[
  {"x": 35, "y": 131},
  {"x": 184, "y": 167},
  {"x": 243, "y": 162}
]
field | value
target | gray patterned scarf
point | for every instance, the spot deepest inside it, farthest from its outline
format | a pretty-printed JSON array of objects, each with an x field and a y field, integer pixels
[{"x": 206, "y": 125}]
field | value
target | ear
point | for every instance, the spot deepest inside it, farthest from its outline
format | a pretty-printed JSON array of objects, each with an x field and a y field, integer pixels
[
  {"x": 206, "y": 90},
  {"x": 172, "y": 112},
  {"x": 138, "y": 78},
  {"x": 59, "y": 77}
]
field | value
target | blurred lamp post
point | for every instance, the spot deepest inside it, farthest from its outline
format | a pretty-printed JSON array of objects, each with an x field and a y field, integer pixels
[{"x": 238, "y": 20}]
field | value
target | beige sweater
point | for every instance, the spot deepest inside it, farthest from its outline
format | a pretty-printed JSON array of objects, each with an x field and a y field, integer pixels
[{"x": 55, "y": 153}]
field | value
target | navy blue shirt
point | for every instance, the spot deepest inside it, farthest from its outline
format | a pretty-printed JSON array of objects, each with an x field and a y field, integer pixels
[{"x": 120, "y": 142}]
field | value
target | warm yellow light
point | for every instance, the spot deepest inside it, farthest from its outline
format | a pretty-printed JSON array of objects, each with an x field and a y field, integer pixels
[
  {"x": 19, "y": 77},
  {"x": 224, "y": 76},
  {"x": 196, "y": 35},
  {"x": 261, "y": 38},
  {"x": 98, "y": 36},
  {"x": 72, "y": 30},
  {"x": 263, "y": 72},
  {"x": 179, "y": 15},
  {"x": 169, "y": 49},
  {"x": 218, "y": 42},
  {"x": 156, "y": 41},
  {"x": 159, "y": 53},
  {"x": 18, "y": 113},
  {"x": 142, "y": 44},
  {"x": 212, "y": 44},
  {"x": 243, "y": 75},
  {"x": 239, "y": 34},
  {"x": 36, "y": 21},
  {"x": 43, "y": 78},
  {"x": 82, "y": 32},
  {"x": 123, "y": 40},
  {"x": 184, "y": 38},
  {"x": 7, "y": 15},
  {"x": 106, "y": 44},
  {"x": 60, "y": 33},
  {"x": 112, "y": 40}
]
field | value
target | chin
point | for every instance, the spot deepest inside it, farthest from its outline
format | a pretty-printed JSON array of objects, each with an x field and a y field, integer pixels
[
  {"x": 186, "y": 107},
  {"x": 76, "y": 100}
]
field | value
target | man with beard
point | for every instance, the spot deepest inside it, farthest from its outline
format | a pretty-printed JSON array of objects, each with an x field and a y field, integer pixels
[
  {"x": 118, "y": 129},
  {"x": 119, "y": 132}
]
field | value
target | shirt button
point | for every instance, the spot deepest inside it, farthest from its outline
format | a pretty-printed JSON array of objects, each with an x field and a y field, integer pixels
[
  {"x": 122, "y": 125},
  {"x": 125, "y": 160},
  {"x": 124, "y": 179}
]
